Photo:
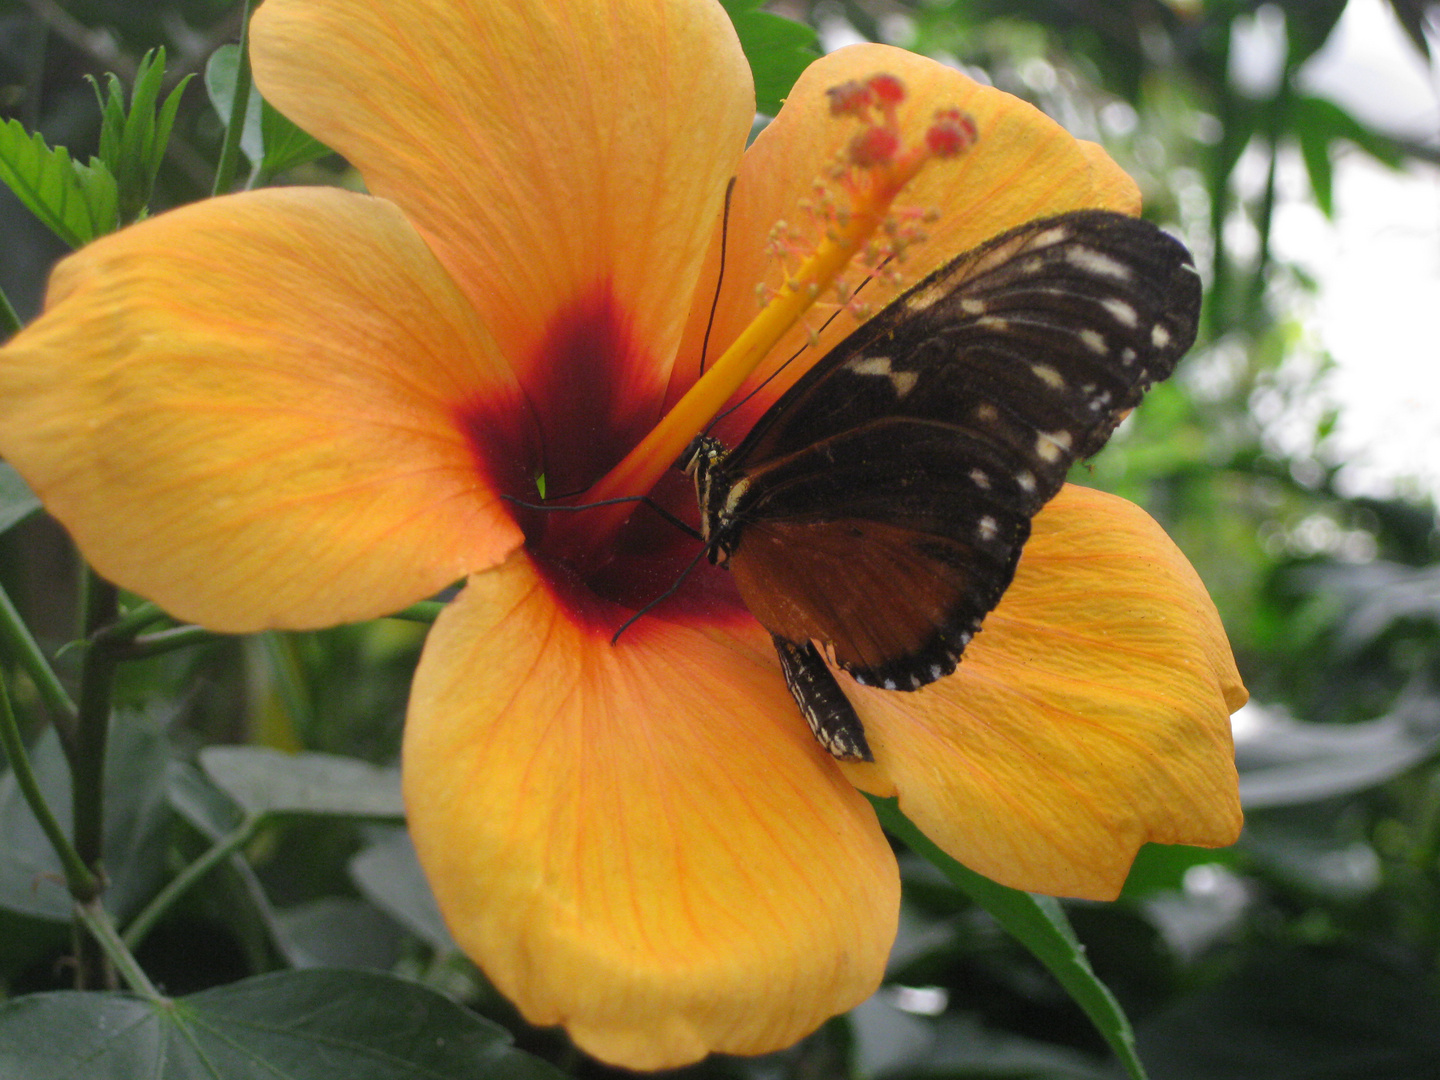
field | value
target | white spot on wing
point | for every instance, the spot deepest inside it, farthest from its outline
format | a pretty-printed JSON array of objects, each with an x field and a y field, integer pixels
[
  {"x": 869, "y": 365},
  {"x": 1050, "y": 236},
  {"x": 1094, "y": 341},
  {"x": 971, "y": 306},
  {"x": 1097, "y": 262},
  {"x": 1159, "y": 336},
  {"x": 993, "y": 322},
  {"x": 986, "y": 413},
  {"x": 902, "y": 381},
  {"x": 1051, "y": 444},
  {"x": 1049, "y": 376},
  {"x": 988, "y": 528},
  {"x": 1124, "y": 313},
  {"x": 981, "y": 480},
  {"x": 1026, "y": 480},
  {"x": 927, "y": 298}
]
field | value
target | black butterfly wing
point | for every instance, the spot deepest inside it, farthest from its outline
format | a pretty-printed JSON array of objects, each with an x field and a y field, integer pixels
[{"x": 880, "y": 506}]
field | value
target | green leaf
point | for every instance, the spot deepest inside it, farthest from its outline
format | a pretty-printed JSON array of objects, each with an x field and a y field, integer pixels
[
  {"x": 286, "y": 146},
  {"x": 265, "y": 781},
  {"x": 76, "y": 202},
  {"x": 294, "y": 1025},
  {"x": 17, "y": 501},
  {"x": 777, "y": 48},
  {"x": 132, "y": 140},
  {"x": 1038, "y": 923},
  {"x": 270, "y": 141},
  {"x": 1315, "y": 149},
  {"x": 220, "y": 73},
  {"x": 1291, "y": 762},
  {"x": 137, "y": 821},
  {"x": 389, "y": 875}
]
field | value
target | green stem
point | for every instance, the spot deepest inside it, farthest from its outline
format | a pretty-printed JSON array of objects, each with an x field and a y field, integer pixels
[
  {"x": 17, "y": 642},
  {"x": 78, "y": 877},
  {"x": 163, "y": 641},
  {"x": 426, "y": 611},
  {"x": 9, "y": 321},
  {"x": 92, "y": 728},
  {"x": 97, "y": 920},
  {"x": 229, "y": 162},
  {"x": 221, "y": 850},
  {"x": 130, "y": 624},
  {"x": 86, "y": 757}
]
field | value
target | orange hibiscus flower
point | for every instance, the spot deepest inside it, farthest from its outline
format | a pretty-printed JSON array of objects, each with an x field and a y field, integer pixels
[{"x": 298, "y": 407}]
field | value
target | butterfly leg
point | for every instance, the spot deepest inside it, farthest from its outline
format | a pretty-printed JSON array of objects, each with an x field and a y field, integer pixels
[{"x": 823, "y": 704}]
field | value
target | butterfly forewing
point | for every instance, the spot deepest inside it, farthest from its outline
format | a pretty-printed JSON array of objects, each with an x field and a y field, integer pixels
[{"x": 880, "y": 506}]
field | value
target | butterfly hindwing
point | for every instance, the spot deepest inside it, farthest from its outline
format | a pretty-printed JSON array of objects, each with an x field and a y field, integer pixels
[{"x": 879, "y": 507}]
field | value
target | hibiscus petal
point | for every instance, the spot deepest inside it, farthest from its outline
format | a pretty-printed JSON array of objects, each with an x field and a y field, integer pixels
[
  {"x": 642, "y": 841},
  {"x": 566, "y": 161},
  {"x": 246, "y": 409},
  {"x": 1024, "y": 166},
  {"x": 1089, "y": 716}
]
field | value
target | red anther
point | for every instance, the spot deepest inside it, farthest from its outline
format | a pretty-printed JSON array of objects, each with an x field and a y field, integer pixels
[
  {"x": 850, "y": 99},
  {"x": 888, "y": 90},
  {"x": 951, "y": 133},
  {"x": 874, "y": 146}
]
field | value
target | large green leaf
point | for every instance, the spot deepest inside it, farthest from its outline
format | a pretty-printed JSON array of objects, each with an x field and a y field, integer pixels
[
  {"x": 77, "y": 202},
  {"x": 777, "y": 48},
  {"x": 1038, "y": 923},
  {"x": 267, "y": 781},
  {"x": 298, "y": 1025}
]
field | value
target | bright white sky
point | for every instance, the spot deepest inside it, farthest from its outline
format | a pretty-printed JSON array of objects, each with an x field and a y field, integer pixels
[{"x": 1378, "y": 264}]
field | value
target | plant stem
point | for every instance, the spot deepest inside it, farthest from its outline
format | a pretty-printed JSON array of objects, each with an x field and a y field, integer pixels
[
  {"x": 78, "y": 877},
  {"x": 130, "y": 624},
  {"x": 229, "y": 161},
  {"x": 92, "y": 728},
  {"x": 85, "y": 754},
  {"x": 17, "y": 641},
  {"x": 162, "y": 641},
  {"x": 222, "y": 849},
  {"x": 96, "y": 919}
]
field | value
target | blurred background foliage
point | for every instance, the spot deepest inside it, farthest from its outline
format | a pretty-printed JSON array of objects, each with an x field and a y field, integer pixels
[{"x": 1308, "y": 950}]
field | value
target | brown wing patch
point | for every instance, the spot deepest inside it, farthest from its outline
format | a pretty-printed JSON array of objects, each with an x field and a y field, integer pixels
[{"x": 895, "y": 606}]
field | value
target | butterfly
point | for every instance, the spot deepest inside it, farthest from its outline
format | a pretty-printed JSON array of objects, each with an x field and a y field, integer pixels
[{"x": 875, "y": 514}]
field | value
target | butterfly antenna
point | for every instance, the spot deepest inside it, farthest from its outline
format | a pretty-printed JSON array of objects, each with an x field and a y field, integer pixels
[
  {"x": 662, "y": 597},
  {"x": 683, "y": 526},
  {"x": 794, "y": 356},
  {"x": 719, "y": 280}
]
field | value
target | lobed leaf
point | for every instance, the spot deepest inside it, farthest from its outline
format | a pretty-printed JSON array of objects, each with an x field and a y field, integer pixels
[
  {"x": 300, "y": 1025},
  {"x": 76, "y": 202}
]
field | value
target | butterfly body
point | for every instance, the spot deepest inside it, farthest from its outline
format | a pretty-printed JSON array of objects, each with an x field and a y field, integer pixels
[{"x": 876, "y": 512}]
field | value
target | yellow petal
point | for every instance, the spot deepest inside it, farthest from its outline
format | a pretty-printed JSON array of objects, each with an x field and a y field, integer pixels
[
  {"x": 642, "y": 841},
  {"x": 252, "y": 411},
  {"x": 1089, "y": 716},
  {"x": 1024, "y": 166},
  {"x": 564, "y": 160}
]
